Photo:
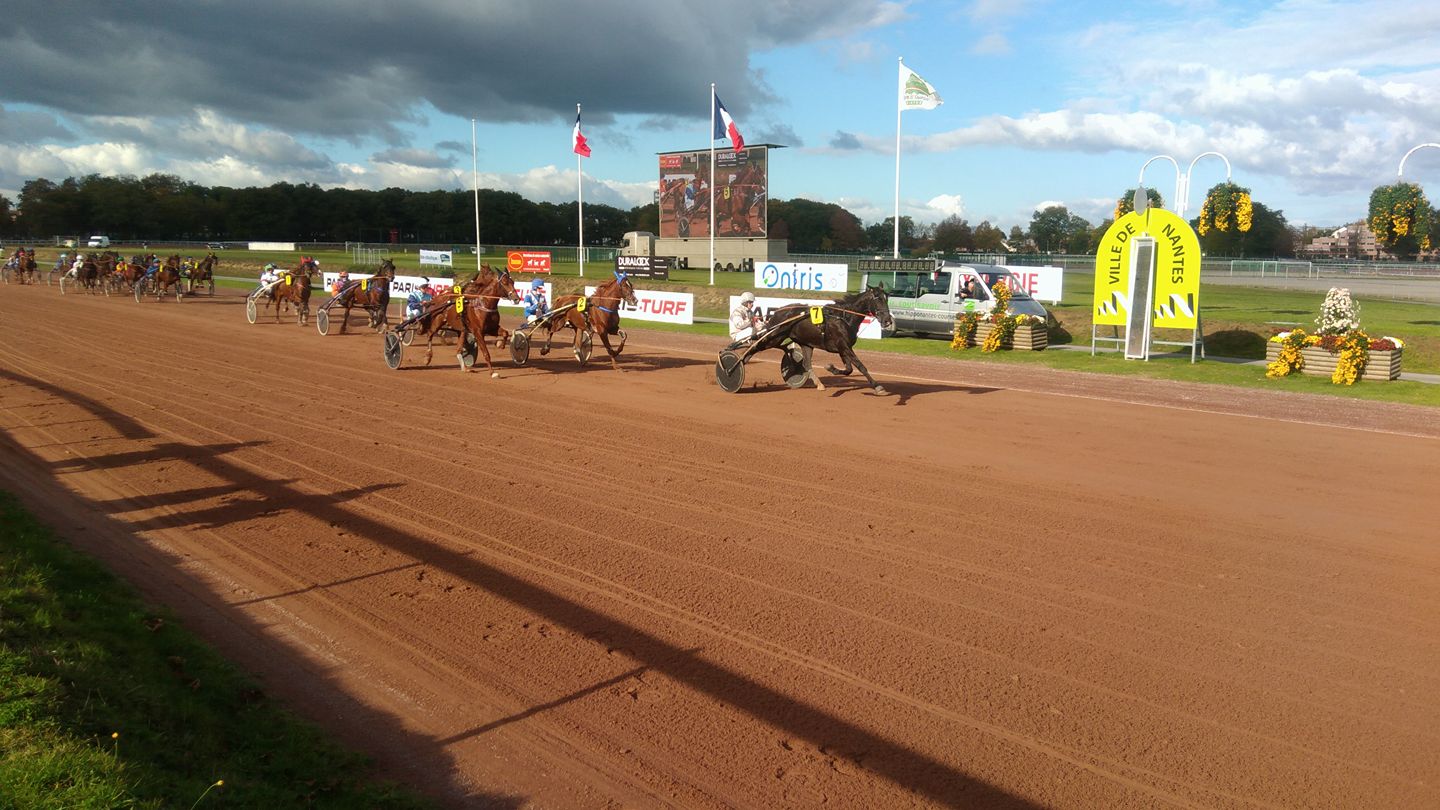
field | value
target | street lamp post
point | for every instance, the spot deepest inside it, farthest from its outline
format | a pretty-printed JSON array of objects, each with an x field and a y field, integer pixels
[
  {"x": 1141, "y": 201},
  {"x": 1400, "y": 173},
  {"x": 1184, "y": 202}
]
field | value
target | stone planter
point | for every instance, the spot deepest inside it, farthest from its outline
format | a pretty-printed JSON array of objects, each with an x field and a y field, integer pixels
[
  {"x": 1030, "y": 338},
  {"x": 1381, "y": 367}
]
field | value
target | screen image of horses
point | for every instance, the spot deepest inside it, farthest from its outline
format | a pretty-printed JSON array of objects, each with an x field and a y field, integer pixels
[{"x": 741, "y": 193}]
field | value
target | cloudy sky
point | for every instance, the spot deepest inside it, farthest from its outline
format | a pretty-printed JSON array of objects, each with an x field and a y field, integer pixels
[{"x": 1046, "y": 101}]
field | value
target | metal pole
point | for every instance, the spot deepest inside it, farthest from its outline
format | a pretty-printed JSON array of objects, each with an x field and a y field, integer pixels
[
  {"x": 1400, "y": 173},
  {"x": 580, "y": 201},
  {"x": 895, "y": 251},
  {"x": 712, "y": 183},
  {"x": 1173, "y": 162},
  {"x": 1184, "y": 202},
  {"x": 475, "y": 185}
]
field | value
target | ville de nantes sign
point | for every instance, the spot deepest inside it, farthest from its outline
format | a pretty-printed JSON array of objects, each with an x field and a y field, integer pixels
[{"x": 1177, "y": 270}]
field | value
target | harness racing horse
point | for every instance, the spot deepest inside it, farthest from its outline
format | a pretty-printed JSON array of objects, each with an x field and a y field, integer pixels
[
  {"x": 370, "y": 294},
  {"x": 832, "y": 327},
  {"x": 472, "y": 310},
  {"x": 204, "y": 272},
  {"x": 598, "y": 313},
  {"x": 736, "y": 202},
  {"x": 166, "y": 280},
  {"x": 25, "y": 271},
  {"x": 294, "y": 289}
]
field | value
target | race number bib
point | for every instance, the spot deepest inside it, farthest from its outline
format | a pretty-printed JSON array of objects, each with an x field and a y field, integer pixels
[
  {"x": 364, "y": 284},
  {"x": 817, "y": 315},
  {"x": 289, "y": 279},
  {"x": 580, "y": 304}
]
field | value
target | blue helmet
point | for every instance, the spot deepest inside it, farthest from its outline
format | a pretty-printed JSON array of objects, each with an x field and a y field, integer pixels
[{"x": 537, "y": 285}]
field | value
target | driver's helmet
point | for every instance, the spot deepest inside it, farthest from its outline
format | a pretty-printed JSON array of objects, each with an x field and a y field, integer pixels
[
  {"x": 537, "y": 286},
  {"x": 747, "y": 297}
]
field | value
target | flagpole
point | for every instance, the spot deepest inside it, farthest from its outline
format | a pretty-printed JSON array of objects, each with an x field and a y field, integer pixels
[
  {"x": 895, "y": 252},
  {"x": 475, "y": 185},
  {"x": 712, "y": 184},
  {"x": 580, "y": 198}
]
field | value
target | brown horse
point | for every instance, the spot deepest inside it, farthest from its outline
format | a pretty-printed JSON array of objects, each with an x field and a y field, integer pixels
[
  {"x": 598, "y": 313},
  {"x": 25, "y": 270},
  {"x": 832, "y": 327},
  {"x": 167, "y": 280},
  {"x": 472, "y": 310},
  {"x": 735, "y": 202},
  {"x": 370, "y": 294},
  {"x": 294, "y": 289},
  {"x": 204, "y": 272}
]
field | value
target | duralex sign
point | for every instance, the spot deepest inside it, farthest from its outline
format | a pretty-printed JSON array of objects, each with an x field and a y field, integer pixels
[
  {"x": 528, "y": 261},
  {"x": 796, "y": 276},
  {"x": 869, "y": 328},
  {"x": 657, "y": 305}
]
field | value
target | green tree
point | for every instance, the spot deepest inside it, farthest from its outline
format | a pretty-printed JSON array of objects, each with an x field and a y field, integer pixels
[
  {"x": 1126, "y": 203},
  {"x": 1269, "y": 236},
  {"x": 1401, "y": 219},
  {"x": 953, "y": 235},
  {"x": 988, "y": 238},
  {"x": 881, "y": 235},
  {"x": 1050, "y": 228}
]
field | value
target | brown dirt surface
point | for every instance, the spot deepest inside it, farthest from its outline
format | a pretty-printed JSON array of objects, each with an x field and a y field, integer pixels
[{"x": 580, "y": 588}]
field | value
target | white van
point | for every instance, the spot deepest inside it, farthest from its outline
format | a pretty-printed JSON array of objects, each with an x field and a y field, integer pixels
[
  {"x": 98, "y": 242},
  {"x": 926, "y": 302}
]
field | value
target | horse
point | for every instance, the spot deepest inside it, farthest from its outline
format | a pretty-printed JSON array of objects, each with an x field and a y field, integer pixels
[
  {"x": 471, "y": 310},
  {"x": 25, "y": 270},
  {"x": 832, "y": 327},
  {"x": 737, "y": 199},
  {"x": 593, "y": 315},
  {"x": 204, "y": 272},
  {"x": 294, "y": 289},
  {"x": 132, "y": 271},
  {"x": 372, "y": 295},
  {"x": 168, "y": 279}
]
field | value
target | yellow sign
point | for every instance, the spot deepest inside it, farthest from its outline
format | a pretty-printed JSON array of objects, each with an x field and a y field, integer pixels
[
  {"x": 1177, "y": 270},
  {"x": 364, "y": 284},
  {"x": 459, "y": 303},
  {"x": 817, "y": 315},
  {"x": 1112, "y": 270},
  {"x": 580, "y": 304},
  {"x": 289, "y": 279}
]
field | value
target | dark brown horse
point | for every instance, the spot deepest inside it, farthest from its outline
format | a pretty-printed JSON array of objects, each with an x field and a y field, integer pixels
[
  {"x": 293, "y": 289},
  {"x": 370, "y": 294},
  {"x": 167, "y": 280},
  {"x": 832, "y": 327},
  {"x": 472, "y": 310},
  {"x": 204, "y": 272},
  {"x": 598, "y": 313},
  {"x": 736, "y": 202},
  {"x": 25, "y": 270}
]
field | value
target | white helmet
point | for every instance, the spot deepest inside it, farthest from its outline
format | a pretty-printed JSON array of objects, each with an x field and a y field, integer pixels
[{"x": 747, "y": 297}]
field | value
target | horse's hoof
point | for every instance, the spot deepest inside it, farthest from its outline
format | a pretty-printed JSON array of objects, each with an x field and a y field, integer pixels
[
  {"x": 494, "y": 375},
  {"x": 880, "y": 391}
]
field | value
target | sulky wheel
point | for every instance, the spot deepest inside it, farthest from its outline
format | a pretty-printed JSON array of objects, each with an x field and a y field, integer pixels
[
  {"x": 520, "y": 348},
  {"x": 139, "y": 291},
  {"x": 393, "y": 350},
  {"x": 250, "y": 313},
  {"x": 587, "y": 343},
  {"x": 322, "y": 322},
  {"x": 468, "y": 352},
  {"x": 407, "y": 335},
  {"x": 730, "y": 371},
  {"x": 793, "y": 368}
]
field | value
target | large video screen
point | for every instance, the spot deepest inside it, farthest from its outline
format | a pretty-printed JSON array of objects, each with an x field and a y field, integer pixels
[{"x": 741, "y": 192}]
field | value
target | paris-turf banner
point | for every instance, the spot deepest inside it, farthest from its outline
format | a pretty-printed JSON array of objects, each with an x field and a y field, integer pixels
[{"x": 657, "y": 305}]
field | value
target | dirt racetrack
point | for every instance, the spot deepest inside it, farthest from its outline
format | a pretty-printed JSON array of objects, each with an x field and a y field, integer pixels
[{"x": 1000, "y": 587}]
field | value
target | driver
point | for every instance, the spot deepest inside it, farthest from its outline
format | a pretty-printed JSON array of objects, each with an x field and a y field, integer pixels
[
  {"x": 418, "y": 298},
  {"x": 745, "y": 320},
  {"x": 270, "y": 274},
  {"x": 535, "y": 304}
]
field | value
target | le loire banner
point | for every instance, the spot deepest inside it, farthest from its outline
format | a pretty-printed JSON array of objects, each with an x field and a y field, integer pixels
[
  {"x": 797, "y": 276},
  {"x": 443, "y": 258},
  {"x": 869, "y": 328},
  {"x": 657, "y": 305}
]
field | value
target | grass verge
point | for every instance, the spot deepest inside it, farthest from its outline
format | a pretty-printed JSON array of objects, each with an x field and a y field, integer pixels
[{"x": 81, "y": 659}]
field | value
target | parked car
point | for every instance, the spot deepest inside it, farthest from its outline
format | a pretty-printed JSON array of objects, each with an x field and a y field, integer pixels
[
  {"x": 98, "y": 242},
  {"x": 927, "y": 302},
  {"x": 215, "y": 246}
]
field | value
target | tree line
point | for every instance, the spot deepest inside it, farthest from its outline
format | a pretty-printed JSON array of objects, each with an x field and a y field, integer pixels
[{"x": 162, "y": 207}]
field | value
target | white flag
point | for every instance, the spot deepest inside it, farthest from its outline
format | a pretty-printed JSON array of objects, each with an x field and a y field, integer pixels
[{"x": 915, "y": 92}]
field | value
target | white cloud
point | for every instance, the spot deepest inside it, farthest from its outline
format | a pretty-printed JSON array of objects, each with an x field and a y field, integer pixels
[
  {"x": 992, "y": 44},
  {"x": 947, "y": 205}
]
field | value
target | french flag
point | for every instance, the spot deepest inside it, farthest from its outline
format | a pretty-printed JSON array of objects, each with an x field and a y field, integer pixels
[
  {"x": 582, "y": 148},
  {"x": 725, "y": 126}
]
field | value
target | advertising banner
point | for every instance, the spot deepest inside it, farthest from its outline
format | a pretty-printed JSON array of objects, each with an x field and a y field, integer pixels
[
  {"x": 443, "y": 258},
  {"x": 742, "y": 187},
  {"x": 644, "y": 266},
  {"x": 657, "y": 305},
  {"x": 528, "y": 261},
  {"x": 1043, "y": 283},
  {"x": 400, "y": 288},
  {"x": 869, "y": 328},
  {"x": 522, "y": 287},
  {"x": 283, "y": 246},
  {"x": 1112, "y": 270},
  {"x": 797, "y": 276},
  {"x": 1177, "y": 270}
]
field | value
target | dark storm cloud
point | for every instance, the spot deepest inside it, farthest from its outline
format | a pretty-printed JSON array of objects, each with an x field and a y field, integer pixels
[
  {"x": 424, "y": 158},
  {"x": 352, "y": 70},
  {"x": 24, "y": 126},
  {"x": 782, "y": 134},
  {"x": 845, "y": 140}
]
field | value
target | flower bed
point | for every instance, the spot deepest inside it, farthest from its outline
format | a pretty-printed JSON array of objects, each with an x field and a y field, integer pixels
[
  {"x": 999, "y": 329},
  {"x": 1343, "y": 358},
  {"x": 1030, "y": 337}
]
